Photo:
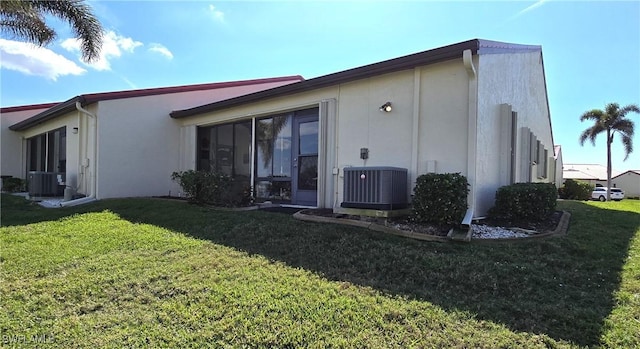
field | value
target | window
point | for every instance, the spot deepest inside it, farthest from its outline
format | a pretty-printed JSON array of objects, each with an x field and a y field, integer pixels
[
  {"x": 226, "y": 148},
  {"x": 47, "y": 152}
]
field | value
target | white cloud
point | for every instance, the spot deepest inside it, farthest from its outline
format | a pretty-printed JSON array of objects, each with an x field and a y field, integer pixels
[
  {"x": 113, "y": 46},
  {"x": 529, "y": 8},
  {"x": 35, "y": 60},
  {"x": 161, "y": 49},
  {"x": 217, "y": 14}
]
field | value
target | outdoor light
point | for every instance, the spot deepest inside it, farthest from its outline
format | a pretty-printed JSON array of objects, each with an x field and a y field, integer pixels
[
  {"x": 74, "y": 130},
  {"x": 386, "y": 107}
]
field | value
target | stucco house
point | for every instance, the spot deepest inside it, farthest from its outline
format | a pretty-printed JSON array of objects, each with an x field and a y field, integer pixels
[
  {"x": 477, "y": 107},
  {"x": 593, "y": 174},
  {"x": 596, "y": 175},
  {"x": 114, "y": 144},
  {"x": 629, "y": 182}
]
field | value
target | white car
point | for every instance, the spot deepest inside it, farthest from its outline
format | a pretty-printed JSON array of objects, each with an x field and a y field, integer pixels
[{"x": 600, "y": 193}]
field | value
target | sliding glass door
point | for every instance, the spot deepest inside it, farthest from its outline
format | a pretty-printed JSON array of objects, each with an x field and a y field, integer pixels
[
  {"x": 285, "y": 160},
  {"x": 273, "y": 158},
  {"x": 47, "y": 152},
  {"x": 305, "y": 160}
]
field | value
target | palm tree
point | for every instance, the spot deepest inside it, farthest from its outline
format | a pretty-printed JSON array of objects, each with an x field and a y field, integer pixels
[
  {"x": 24, "y": 19},
  {"x": 612, "y": 120}
]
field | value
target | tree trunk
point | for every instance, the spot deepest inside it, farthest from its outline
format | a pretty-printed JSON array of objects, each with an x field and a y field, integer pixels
[{"x": 609, "y": 141}]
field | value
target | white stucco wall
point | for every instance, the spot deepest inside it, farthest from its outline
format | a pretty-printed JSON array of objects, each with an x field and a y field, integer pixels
[
  {"x": 444, "y": 121},
  {"x": 516, "y": 79},
  {"x": 362, "y": 125},
  {"x": 12, "y": 147}
]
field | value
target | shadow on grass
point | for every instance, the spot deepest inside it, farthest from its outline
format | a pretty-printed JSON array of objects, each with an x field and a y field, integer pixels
[{"x": 562, "y": 287}]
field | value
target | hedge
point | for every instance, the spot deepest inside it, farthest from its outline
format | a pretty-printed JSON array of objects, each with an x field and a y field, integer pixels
[
  {"x": 525, "y": 201},
  {"x": 440, "y": 198}
]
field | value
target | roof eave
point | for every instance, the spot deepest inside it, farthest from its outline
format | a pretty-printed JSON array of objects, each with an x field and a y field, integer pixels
[{"x": 51, "y": 113}]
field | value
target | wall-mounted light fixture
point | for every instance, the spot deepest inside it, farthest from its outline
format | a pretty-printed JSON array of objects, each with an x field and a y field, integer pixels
[
  {"x": 386, "y": 107},
  {"x": 74, "y": 130}
]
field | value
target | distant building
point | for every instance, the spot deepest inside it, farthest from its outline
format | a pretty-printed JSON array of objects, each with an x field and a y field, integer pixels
[
  {"x": 590, "y": 173},
  {"x": 629, "y": 182}
]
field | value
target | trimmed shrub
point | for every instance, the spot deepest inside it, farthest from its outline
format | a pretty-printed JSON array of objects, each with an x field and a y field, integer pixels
[
  {"x": 440, "y": 198},
  {"x": 575, "y": 190},
  {"x": 525, "y": 202},
  {"x": 213, "y": 188},
  {"x": 13, "y": 185}
]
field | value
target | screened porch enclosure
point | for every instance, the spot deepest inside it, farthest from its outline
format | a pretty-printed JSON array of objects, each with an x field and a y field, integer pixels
[
  {"x": 284, "y": 166},
  {"x": 46, "y": 163}
]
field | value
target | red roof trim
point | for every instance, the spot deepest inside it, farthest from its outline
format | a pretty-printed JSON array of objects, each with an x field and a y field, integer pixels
[
  {"x": 86, "y": 99},
  {"x": 27, "y": 107},
  {"x": 95, "y": 97}
]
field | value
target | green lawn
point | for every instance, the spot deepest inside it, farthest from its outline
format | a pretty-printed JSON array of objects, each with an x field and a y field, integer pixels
[{"x": 154, "y": 273}]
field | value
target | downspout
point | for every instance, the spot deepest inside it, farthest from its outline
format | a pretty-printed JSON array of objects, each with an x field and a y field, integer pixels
[
  {"x": 472, "y": 133},
  {"x": 92, "y": 178},
  {"x": 415, "y": 136},
  {"x": 252, "y": 151},
  {"x": 80, "y": 167}
]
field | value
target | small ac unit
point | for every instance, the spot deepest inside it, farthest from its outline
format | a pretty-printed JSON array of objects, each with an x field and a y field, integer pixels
[
  {"x": 379, "y": 188},
  {"x": 46, "y": 183}
]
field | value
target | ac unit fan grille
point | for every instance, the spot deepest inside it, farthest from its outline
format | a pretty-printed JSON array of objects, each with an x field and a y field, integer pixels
[{"x": 380, "y": 188}]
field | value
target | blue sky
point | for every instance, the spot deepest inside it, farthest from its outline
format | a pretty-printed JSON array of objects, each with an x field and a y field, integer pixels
[{"x": 591, "y": 49}]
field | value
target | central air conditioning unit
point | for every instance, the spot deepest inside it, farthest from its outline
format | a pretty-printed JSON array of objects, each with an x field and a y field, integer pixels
[
  {"x": 46, "y": 183},
  {"x": 378, "y": 188}
]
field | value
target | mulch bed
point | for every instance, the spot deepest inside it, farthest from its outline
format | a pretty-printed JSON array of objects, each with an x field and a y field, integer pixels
[{"x": 405, "y": 223}]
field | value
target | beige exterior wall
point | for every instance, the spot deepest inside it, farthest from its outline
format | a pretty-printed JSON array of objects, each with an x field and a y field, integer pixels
[
  {"x": 12, "y": 146},
  {"x": 629, "y": 182},
  {"x": 444, "y": 118},
  {"x": 516, "y": 79}
]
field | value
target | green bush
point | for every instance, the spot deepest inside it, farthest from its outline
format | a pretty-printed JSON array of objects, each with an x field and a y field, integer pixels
[
  {"x": 525, "y": 202},
  {"x": 440, "y": 198},
  {"x": 575, "y": 190},
  {"x": 213, "y": 188},
  {"x": 13, "y": 185}
]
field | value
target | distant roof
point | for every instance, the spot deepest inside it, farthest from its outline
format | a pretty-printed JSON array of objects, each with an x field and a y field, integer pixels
[
  {"x": 477, "y": 46},
  {"x": 630, "y": 171},
  {"x": 86, "y": 99},
  {"x": 587, "y": 171},
  {"x": 26, "y": 107}
]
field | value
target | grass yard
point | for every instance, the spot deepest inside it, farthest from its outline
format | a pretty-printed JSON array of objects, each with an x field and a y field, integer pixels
[{"x": 155, "y": 273}]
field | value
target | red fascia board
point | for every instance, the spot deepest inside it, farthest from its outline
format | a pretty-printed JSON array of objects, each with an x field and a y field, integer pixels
[
  {"x": 95, "y": 97},
  {"x": 27, "y": 107},
  {"x": 86, "y": 99}
]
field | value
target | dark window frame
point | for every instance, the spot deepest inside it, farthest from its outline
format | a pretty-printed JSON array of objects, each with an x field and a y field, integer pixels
[{"x": 48, "y": 155}]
